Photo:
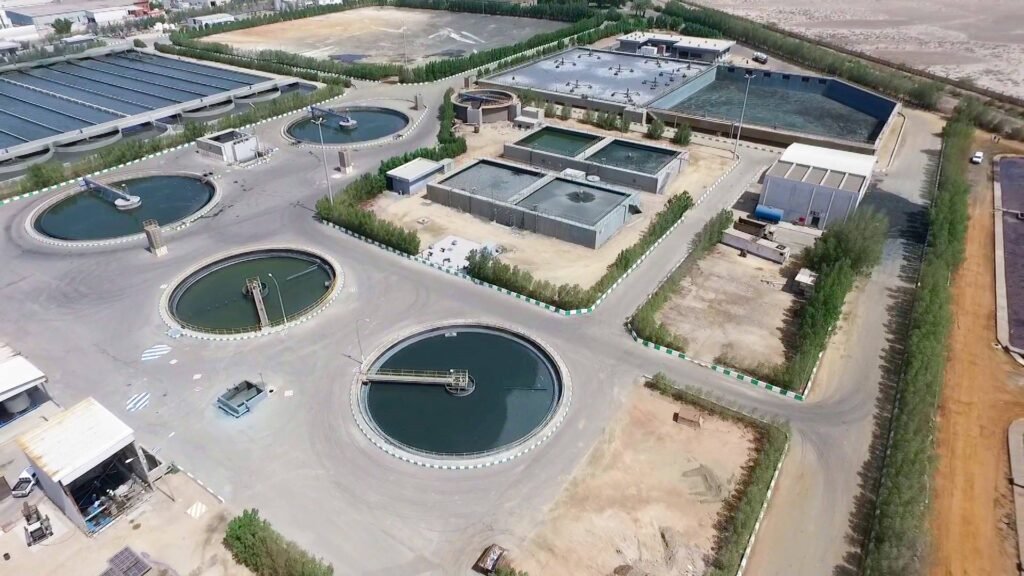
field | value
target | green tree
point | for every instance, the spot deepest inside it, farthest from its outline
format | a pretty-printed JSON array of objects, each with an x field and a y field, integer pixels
[
  {"x": 640, "y": 7},
  {"x": 138, "y": 43},
  {"x": 549, "y": 110},
  {"x": 61, "y": 26},
  {"x": 566, "y": 112},
  {"x": 682, "y": 135},
  {"x": 656, "y": 129}
]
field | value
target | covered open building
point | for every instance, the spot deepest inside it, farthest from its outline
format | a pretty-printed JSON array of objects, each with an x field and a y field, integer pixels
[
  {"x": 89, "y": 464},
  {"x": 22, "y": 385},
  {"x": 816, "y": 187}
]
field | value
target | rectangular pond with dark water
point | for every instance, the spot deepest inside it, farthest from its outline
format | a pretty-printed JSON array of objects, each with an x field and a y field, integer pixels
[
  {"x": 636, "y": 157},
  {"x": 565, "y": 142},
  {"x": 793, "y": 102},
  {"x": 1011, "y": 183}
]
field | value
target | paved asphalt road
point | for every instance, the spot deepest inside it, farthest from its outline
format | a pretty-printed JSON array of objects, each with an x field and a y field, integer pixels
[{"x": 86, "y": 315}]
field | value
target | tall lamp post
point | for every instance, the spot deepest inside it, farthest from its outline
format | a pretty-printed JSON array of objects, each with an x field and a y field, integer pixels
[
  {"x": 749, "y": 76},
  {"x": 327, "y": 174},
  {"x": 280, "y": 298},
  {"x": 359, "y": 340}
]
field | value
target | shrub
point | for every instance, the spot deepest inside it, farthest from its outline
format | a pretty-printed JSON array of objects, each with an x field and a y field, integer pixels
[
  {"x": 138, "y": 43},
  {"x": 549, "y": 110},
  {"x": 255, "y": 544},
  {"x": 656, "y": 129},
  {"x": 565, "y": 113},
  {"x": 682, "y": 135},
  {"x": 61, "y": 26},
  {"x": 590, "y": 117}
]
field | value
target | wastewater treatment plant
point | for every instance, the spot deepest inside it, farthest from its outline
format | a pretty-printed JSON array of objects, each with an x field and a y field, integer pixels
[
  {"x": 349, "y": 125},
  {"x": 460, "y": 391},
  {"x": 94, "y": 211}
]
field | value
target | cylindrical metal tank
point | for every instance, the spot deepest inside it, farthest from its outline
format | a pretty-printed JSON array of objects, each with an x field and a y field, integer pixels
[
  {"x": 768, "y": 214},
  {"x": 17, "y": 403}
]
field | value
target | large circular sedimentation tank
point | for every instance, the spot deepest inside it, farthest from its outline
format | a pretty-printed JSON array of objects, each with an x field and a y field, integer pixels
[
  {"x": 85, "y": 215},
  {"x": 371, "y": 124},
  {"x": 216, "y": 297},
  {"x": 516, "y": 389}
]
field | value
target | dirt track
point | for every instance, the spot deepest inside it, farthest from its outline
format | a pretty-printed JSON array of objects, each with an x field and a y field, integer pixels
[{"x": 972, "y": 514}]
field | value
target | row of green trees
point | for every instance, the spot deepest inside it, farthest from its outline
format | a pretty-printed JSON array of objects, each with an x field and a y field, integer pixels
[
  {"x": 738, "y": 516},
  {"x": 924, "y": 93},
  {"x": 227, "y": 56},
  {"x": 487, "y": 267},
  {"x": 644, "y": 321},
  {"x": 347, "y": 208},
  {"x": 988, "y": 118},
  {"x": 898, "y": 540},
  {"x": 844, "y": 252},
  {"x": 53, "y": 172},
  {"x": 255, "y": 544},
  {"x": 583, "y": 18}
]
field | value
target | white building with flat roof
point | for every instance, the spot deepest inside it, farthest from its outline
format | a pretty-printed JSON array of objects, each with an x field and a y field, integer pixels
[
  {"x": 684, "y": 47},
  {"x": 22, "y": 385},
  {"x": 815, "y": 186},
  {"x": 200, "y": 22}
]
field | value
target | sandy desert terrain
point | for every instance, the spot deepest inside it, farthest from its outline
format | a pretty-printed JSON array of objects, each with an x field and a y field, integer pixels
[{"x": 978, "y": 39}]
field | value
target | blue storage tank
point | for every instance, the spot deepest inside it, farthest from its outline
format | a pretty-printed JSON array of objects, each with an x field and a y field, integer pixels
[{"x": 768, "y": 214}]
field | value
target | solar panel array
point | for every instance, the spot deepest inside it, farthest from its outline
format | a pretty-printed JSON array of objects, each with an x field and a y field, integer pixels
[
  {"x": 44, "y": 101},
  {"x": 127, "y": 563}
]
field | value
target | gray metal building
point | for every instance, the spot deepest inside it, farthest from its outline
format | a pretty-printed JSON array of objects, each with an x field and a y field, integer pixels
[
  {"x": 411, "y": 177},
  {"x": 708, "y": 50},
  {"x": 816, "y": 186}
]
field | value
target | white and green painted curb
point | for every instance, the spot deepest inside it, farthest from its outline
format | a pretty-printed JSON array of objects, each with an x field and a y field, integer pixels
[
  {"x": 760, "y": 515},
  {"x": 725, "y": 370}
]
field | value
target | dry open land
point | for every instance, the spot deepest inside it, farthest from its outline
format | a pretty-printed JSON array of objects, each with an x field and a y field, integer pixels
[
  {"x": 161, "y": 529},
  {"x": 388, "y": 35},
  {"x": 732, "y": 307},
  {"x": 977, "y": 39},
  {"x": 647, "y": 496},
  {"x": 545, "y": 257},
  {"x": 972, "y": 512}
]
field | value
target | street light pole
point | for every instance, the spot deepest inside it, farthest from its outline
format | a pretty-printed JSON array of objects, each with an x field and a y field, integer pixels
[
  {"x": 735, "y": 149},
  {"x": 280, "y": 298},
  {"x": 323, "y": 149},
  {"x": 359, "y": 340},
  {"x": 254, "y": 133}
]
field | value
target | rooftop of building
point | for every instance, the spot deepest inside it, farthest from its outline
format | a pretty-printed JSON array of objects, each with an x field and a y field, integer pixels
[
  {"x": 55, "y": 8},
  {"x": 824, "y": 166},
  {"x": 680, "y": 41}
]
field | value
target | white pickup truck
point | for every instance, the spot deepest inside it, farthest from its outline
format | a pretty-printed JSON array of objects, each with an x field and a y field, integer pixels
[{"x": 26, "y": 482}]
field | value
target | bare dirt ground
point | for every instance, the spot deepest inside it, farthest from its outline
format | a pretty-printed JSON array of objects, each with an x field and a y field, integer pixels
[
  {"x": 972, "y": 512},
  {"x": 545, "y": 257},
  {"x": 647, "y": 496},
  {"x": 733, "y": 307},
  {"x": 160, "y": 528},
  {"x": 979, "y": 39},
  {"x": 388, "y": 35}
]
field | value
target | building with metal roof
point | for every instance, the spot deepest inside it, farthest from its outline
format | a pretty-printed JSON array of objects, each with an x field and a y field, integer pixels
[
  {"x": 87, "y": 463},
  {"x": 411, "y": 177},
  {"x": 682, "y": 47},
  {"x": 22, "y": 385},
  {"x": 815, "y": 186}
]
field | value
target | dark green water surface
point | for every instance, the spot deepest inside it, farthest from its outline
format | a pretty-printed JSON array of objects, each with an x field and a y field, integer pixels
[
  {"x": 372, "y": 123},
  {"x": 516, "y": 392}
]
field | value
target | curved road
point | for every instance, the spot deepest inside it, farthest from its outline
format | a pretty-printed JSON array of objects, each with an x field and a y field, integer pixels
[{"x": 86, "y": 315}]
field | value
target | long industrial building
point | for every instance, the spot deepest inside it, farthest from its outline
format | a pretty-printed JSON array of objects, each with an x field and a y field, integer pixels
[{"x": 78, "y": 104}]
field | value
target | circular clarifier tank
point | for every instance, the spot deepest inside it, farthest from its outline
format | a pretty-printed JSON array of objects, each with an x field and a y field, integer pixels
[
  {"x": 370, "y": 124},
  {"x": 217, "y": 297},
  {"x": 91, "y": 215},
  {"x": 482, "y": 390}
]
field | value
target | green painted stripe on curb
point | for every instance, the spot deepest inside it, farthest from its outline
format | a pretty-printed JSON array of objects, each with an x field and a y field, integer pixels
[{"x": 720, "y": 369}]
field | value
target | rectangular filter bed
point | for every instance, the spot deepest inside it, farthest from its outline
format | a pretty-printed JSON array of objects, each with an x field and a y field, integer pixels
[
  {"x": 574, "y": 201},
  {"x": 636, "y": 157},
  {"x": 492, "y": 180},
  {"x": 565, "y": 142},
  {"x": 792, "y": 102}
]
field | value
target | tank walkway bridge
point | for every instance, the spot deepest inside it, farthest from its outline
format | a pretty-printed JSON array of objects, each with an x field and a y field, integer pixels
[
  {"x": 456, "y": 381},
  {"x": 119, "y": 198}
]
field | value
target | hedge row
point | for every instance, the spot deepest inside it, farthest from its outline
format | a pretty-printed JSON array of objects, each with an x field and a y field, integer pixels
[
  {"x": 898, "y": 540},
  {"x": 644, "y": 321},
  {"x": 736, "y": 520},
  {"x": 255, "y": 544},
  {"x": 485, "y": 266},
  {"x": 55, "y": 172},
  {"x": 347, "y": 208},
  {"x": 924, "y": 93},
  {"x": 228, "y": 57},
  {"x": 583, "y": 19}
]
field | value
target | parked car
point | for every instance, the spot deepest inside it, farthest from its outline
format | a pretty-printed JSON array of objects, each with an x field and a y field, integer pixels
[
  {"x": 978, "y": 157},
  {"x": 26, "y": 482},
  {"x": 760, "y": 57}
]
